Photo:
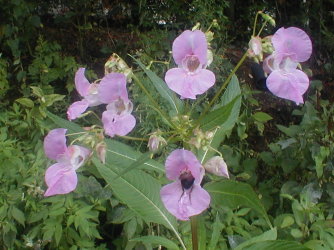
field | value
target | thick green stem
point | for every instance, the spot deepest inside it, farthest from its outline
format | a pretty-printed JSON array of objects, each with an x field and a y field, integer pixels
[
  {"x": 194, "y": 232},
  {"x": 227, "y": 81}
]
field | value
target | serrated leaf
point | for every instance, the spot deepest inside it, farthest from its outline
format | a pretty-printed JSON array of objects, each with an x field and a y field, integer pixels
[
  {"x": 18, "y": 215},
  {"x": 37, "y": 91},
  {"x": 141, "y": 193},
  {"x": 216, "y": 232},
  {"x": 268, "y": 235},
  {"x": 262, "y": 117},
  {"x": 234, "y": 194},
  {"x": 162, "y": 88},
  {"x": 277, "y": 245},
  {"x": 71, "y": 126},
  {"x": 218, "y": 116},
  {"x": 125, "y": 157},
  {"x": 58, "y": 233},
  {"x": 156, "y": 241},
  {"x": 231, "y": 92},
  {"x": 50, "y": 99},
  {"x": 25, "y": 102}
]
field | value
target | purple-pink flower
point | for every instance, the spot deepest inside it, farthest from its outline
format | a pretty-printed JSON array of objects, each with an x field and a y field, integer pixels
[
  {"x": 292, "y": 45},
  {"x": 117, "y": 119},
  {"x": 61, "y": 177},
  {"x": 190, "y": 54},
  {"x": 89, "y": 93},
  {"x": 184, "y": 197}
]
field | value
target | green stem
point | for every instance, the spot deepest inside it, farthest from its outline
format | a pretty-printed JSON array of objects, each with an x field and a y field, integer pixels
[
  {"x": 264, "y": 24},
  {"x": 194, "y": 234},
  {"x": 255, "y": 21},
  {"x": 155, "y": 104},
  {"x": 132, "y": 138},
  {"x": 227, "y": 81}
]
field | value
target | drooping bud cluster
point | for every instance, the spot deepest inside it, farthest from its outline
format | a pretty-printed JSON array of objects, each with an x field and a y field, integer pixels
[
  {"x": 116, "y": 64},
  {"x": 201, "y": 139}
]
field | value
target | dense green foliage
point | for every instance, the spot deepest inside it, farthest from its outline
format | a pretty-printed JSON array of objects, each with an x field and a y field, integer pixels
[{"x": 282, "y": 188}]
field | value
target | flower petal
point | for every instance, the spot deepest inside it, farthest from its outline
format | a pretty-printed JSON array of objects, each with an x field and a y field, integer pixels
[
  {"x": 189, "y": 85},
  {"x": 179, "y": 160},
  {"x": 184, "y": 203},
  {"x": 55, "y": 143},
  {"x": 117, "y": 124},
  {"x": 190, "y": 43},
  {"x": 60, "y": 179},
  {"x": 81, "y": 82},
  {"x": 77, "y": 155},
  {"x": 293, "y": 41},
  {"x": 113, "y": 86},
  {"x": 76, "y": 109},
  {"x": 288, "y": 85}
]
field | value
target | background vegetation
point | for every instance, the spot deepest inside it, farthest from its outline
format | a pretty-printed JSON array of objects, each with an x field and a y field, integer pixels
[{"x": 284, "y": 152}]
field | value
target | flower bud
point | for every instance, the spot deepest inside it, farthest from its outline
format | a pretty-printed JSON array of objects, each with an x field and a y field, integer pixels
[
  {"x": 209, "y": 36},
  {"x": 196, "y": 27},
  {"x": 101, "y": 149},
  {"x": 255, "y": 45},
  {"x": 217, "y": 166},
  {"x": 156, "y": 142}
]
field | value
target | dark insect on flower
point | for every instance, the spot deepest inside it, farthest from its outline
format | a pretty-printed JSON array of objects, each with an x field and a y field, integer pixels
[{"x": 187, "y": 180}]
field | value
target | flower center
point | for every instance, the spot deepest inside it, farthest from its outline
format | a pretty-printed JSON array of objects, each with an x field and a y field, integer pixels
[
  {"x": 187, "y": 179},
  {"x": 191, "y": 63}
]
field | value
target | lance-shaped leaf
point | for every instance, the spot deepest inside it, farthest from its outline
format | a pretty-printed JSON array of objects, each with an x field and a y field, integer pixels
[
  {"x": 234, "y": 194},
  {"x": 127, "y": 158},
  {"x": 266, "y": 236},
  {"x": 219, "y": 116},
  {"x": 157, "y": 241},
  {"x": 140, "y": 192},
  {"x": 162, "y": 88},
  {"x": 277, "y": 245},
  {"x": 70, "y": 126},
  {"x": 231, "y": 92}
]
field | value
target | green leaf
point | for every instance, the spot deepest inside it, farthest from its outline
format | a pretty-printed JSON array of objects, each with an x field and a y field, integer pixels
[
  {"x": 216, "y": 233},
  {"x": 141, "y": 193},
  {"x": 71, "y": 126},
  {"x": 268, "y": 235},
  {"x": 157, "y": 241},
  {"x": 231, "y": 92},
  {"x": 50, "y": 99},
  {"x": 234, "y": 194},
  {"x": 219, "y": 116},
  {"x": 277, "y": 245},
  {"x": 262, "y": 117},
  {"x": 25, "y": 102},
  {"x": 125, "y": 157},
  {"x": 175, "y": 103},
  {"x": 58, "y": 233},
  {"x": 140, "y": 161},
  {"x": 18, "y": 215}
]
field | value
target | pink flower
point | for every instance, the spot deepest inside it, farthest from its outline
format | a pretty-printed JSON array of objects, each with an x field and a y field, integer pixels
[
  {"x": 88, "y": 91},
  {"x": 117, "y": 119},
  {"x": 184, "y": 197},
  {"x": 61, "y": 177},
  {"x": 292, "y": 45},
  {"x": 190, "y": 54},
  {"x": 292, "y": 42}
]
